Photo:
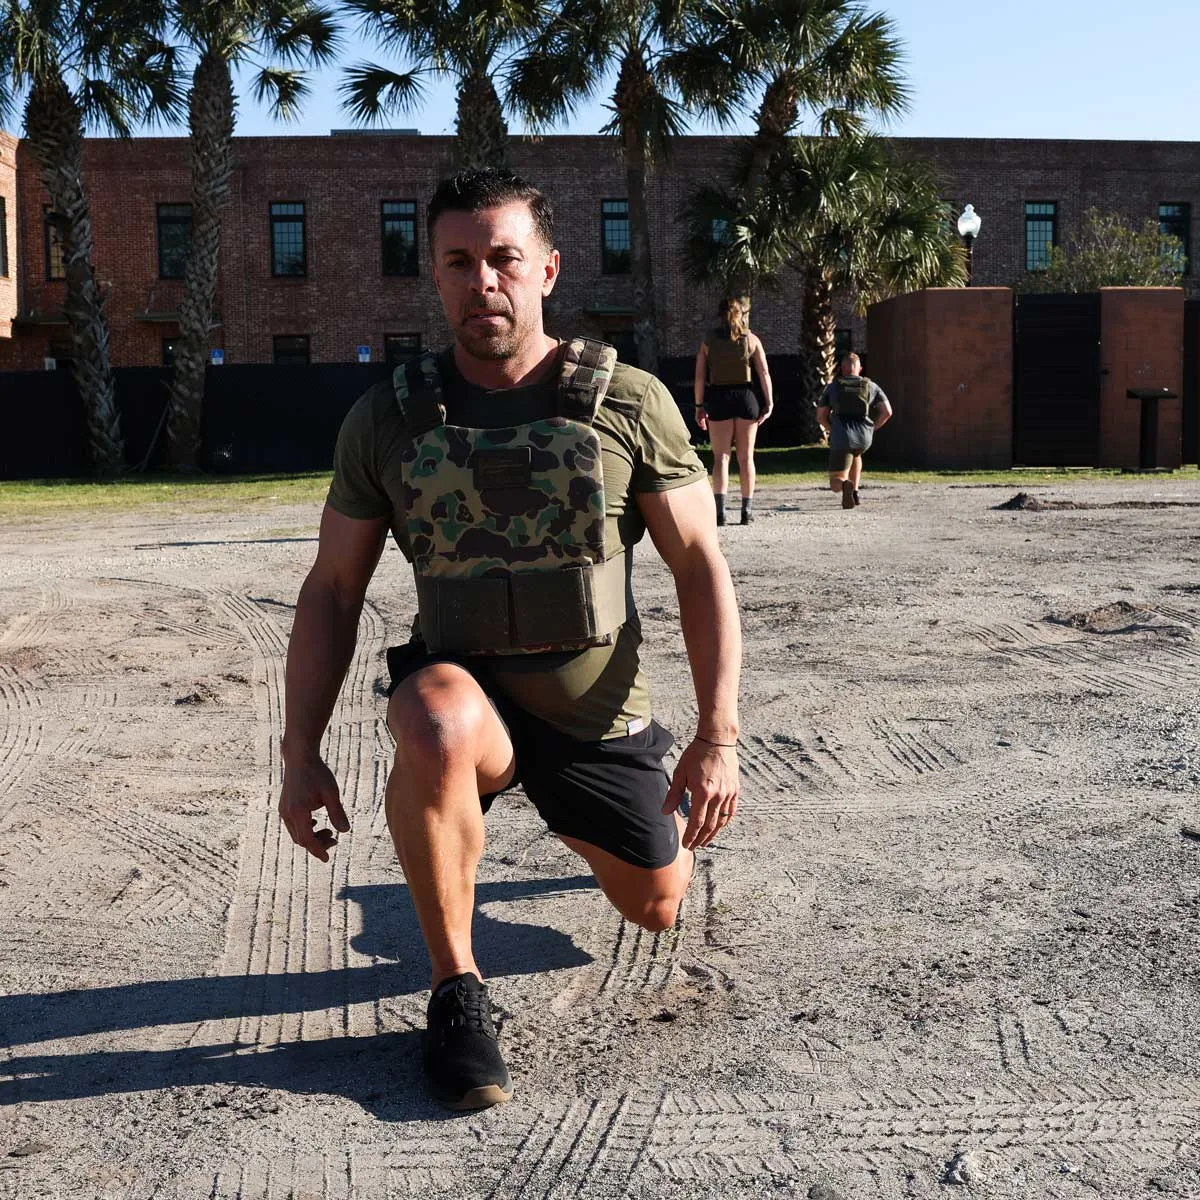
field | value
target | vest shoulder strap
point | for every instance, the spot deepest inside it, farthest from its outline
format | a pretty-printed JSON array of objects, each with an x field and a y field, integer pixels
[
  {"x": 587, "y": 371},
  {"x": 418, "y": 388}
]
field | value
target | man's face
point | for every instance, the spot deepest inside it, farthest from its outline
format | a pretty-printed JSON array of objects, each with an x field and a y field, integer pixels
[{"x": 492, "y": 270}]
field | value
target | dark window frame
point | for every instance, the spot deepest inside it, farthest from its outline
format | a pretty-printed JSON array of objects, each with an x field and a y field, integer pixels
[
  {"x": 1182, "y": 221},
  {"x": 3, "y": 237},
  {"x": 295, "y": 338},
  {"x": 289, "y": 218},
  {"x": 389, "y": 341},
  {"x": 160, "y": 220},
  {"x": 53, "y": 244},
  {"x": 168, "y": 350},
  {"x": 1036, "y": 219},
  {"x": 607, "y": 266},
  {"x": 412, "y": 266}
]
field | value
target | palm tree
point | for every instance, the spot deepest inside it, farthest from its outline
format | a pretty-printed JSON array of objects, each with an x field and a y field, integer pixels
[
  {"x": 849, "y": 215},
  {"x": 665, "y": 69},
  {"x": 222, "y": 35},
  {"x": 467, "y": 39},
  {"x": 81, "y": 63},
  {"x": 823, "y": 58}
]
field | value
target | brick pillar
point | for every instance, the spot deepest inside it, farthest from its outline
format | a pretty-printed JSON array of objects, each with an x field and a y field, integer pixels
[{"x": 1141, "y": 346}]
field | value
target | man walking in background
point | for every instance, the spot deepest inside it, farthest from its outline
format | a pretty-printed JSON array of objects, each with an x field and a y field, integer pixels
[{"x": 851, "y": 409}]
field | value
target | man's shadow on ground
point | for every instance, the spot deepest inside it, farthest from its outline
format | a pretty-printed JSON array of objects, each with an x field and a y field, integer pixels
[{"x": 381, "y": 1072}]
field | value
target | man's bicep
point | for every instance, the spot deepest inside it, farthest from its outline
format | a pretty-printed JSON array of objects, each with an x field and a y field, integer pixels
[
  {"x": 348, "y": 551},
  {"x": 679, "y": 519}
]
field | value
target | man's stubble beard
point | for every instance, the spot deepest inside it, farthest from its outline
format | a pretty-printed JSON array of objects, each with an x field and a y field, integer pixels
[{"x": 499, "y": 346}]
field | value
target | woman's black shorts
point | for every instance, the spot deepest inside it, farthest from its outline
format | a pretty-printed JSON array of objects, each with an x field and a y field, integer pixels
[
  {"x": 726, "y": 403},
  {"x": 608, "y": 793}
]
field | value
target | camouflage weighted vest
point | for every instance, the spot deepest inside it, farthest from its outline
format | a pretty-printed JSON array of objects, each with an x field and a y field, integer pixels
[
  {"x": 853, "y": 397},
  {"x": 507, "y": 525}
]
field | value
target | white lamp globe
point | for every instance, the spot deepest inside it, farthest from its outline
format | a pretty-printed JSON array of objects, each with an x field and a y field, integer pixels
[{"x": 969, "y": 222}]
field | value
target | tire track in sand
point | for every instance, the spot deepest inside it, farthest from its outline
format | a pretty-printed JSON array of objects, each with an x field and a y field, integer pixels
[{"x": 287, "y": 928}]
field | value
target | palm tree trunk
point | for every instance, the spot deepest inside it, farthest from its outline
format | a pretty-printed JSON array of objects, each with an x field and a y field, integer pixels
[
  {"x": 210, "y": 117},
  {"x": 818, "y": 340},
  {"x": 633, "y": 84},
  {"x": 481, "y": 133},
  {"x": 54, "y": 126}
]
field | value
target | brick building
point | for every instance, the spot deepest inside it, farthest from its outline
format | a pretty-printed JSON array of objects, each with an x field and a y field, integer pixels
[{"x": 324, "y": 249}]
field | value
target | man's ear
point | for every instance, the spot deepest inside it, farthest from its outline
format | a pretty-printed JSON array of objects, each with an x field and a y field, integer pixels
[{"x": 550, "y": 278}]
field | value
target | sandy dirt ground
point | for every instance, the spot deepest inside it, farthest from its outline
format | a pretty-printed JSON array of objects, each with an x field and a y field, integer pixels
[{"x": 949, "y": 948}]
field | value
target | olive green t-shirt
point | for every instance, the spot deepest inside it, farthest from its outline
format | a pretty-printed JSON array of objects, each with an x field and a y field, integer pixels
[{"x": 590, "y": 694}]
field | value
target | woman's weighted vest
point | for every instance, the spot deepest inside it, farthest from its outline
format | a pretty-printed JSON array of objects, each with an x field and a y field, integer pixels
[{"x": 507, "y": 525}]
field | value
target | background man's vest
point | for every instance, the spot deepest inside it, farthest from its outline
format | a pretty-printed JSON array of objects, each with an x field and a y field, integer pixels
[
  {"x": 507, "y": 525},
  {"x": 853, "y": 397},
  {"x": 728, "y": 360}
]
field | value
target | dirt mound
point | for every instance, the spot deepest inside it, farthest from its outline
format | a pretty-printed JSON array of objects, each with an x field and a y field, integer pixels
[
  {"x": 1024, "y": 502},
  {"x": 1118, "y": 617}
]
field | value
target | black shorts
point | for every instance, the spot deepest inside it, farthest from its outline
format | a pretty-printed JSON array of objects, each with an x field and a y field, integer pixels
[
  {"x": 726, "y": 403},
  {"x": 608, "y": 793}
]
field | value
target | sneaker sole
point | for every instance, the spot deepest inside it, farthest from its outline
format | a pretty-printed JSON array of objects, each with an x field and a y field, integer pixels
[
  {"x": 847, "y": 495},
  {"x": 480, "y": 1097}
]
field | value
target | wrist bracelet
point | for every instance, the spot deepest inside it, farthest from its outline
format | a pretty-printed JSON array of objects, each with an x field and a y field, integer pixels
[{"x": 726, "y": 745}]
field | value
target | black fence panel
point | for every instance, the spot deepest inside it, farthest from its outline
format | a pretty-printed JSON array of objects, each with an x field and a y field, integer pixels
[
  {"x": 264, "y": 418},
  {"x": 1056, "y": 384},
  {"x": 267, "y": 418},
  {"x": 1191, "y": 381}
]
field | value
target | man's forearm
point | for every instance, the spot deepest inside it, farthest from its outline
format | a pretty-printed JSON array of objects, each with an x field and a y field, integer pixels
[
  {"x": 319, "y": 651},
  {"x": 712, "y": 633}
]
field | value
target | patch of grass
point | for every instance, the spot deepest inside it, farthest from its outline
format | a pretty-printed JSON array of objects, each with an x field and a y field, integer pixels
[
  {"x": 26, "y": 499},
  {"x": 799, "y": 465}
]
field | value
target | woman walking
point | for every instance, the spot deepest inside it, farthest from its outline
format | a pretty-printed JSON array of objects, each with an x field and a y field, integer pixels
[{"x": 726, "y": 405}]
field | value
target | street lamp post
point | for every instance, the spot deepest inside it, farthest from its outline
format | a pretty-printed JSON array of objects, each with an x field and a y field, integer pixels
[{"x": 968, "y": 229}]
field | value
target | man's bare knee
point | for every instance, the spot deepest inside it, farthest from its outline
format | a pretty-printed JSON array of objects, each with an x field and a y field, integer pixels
[
  {"x": 657, "y": 914},
  {"x": 435, "y": 722}
]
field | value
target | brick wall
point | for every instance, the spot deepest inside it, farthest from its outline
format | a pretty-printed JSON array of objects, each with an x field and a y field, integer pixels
[
  {"x": 345, "y": 300},
  {"x": 1141, "y": 346},
  {"x": 944, "y": 358},
  {"x": 8, "y": 255}
]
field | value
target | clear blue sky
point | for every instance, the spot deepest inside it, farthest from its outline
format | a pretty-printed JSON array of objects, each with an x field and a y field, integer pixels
[{"x": 1024, "y": 68}]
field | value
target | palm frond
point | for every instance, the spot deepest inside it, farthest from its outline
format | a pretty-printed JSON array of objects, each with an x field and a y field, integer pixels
[
  {"x": 281, "y": 90},
  {"x": 372, "y": 93}
]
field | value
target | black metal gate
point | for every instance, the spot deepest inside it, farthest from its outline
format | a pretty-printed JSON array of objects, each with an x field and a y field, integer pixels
[
  {"x": 1191, "y": 381},
  {"x": 1056, "y": 383}
]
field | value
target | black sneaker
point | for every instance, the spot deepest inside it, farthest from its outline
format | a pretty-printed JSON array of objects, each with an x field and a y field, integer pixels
[
  {"x": 857, "y": 499},
  {"x": 459, "y": 1049},
  {"x": 847, "y": 494}
]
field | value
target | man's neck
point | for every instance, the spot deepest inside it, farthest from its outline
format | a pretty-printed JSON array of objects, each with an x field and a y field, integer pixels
[{"x": 497, "y": 374}]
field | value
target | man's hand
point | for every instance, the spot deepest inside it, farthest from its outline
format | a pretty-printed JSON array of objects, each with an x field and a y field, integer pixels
[
  {"x": 710, "y": 775},
  {"x": 308, "y": 786}
]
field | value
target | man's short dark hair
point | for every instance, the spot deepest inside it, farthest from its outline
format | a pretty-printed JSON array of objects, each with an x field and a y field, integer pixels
[{"x": 490, "y": 187}]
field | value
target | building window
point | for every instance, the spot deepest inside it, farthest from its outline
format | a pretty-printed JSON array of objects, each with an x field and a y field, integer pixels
[
  {"x": 63, "y": 353},
  {"x": 1175, "y": 220},
  {"x": 287, "y": 240},
  {"x": 1041, "y": 232},
  {"x": 625, "y": 344},
  {"x": 399, "y": 237},
  {"x": 614, "y": 237},
  {"x": 174, "y": 239},
  {"x": 292, "y": 351},
  {"x": 168, "y": 351},
  {"x": 3, "y": 238},
  {"x": 56, "y": 259},
  {"x": 400, "y": 347},
  {"x": 843, "y": 344}
]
